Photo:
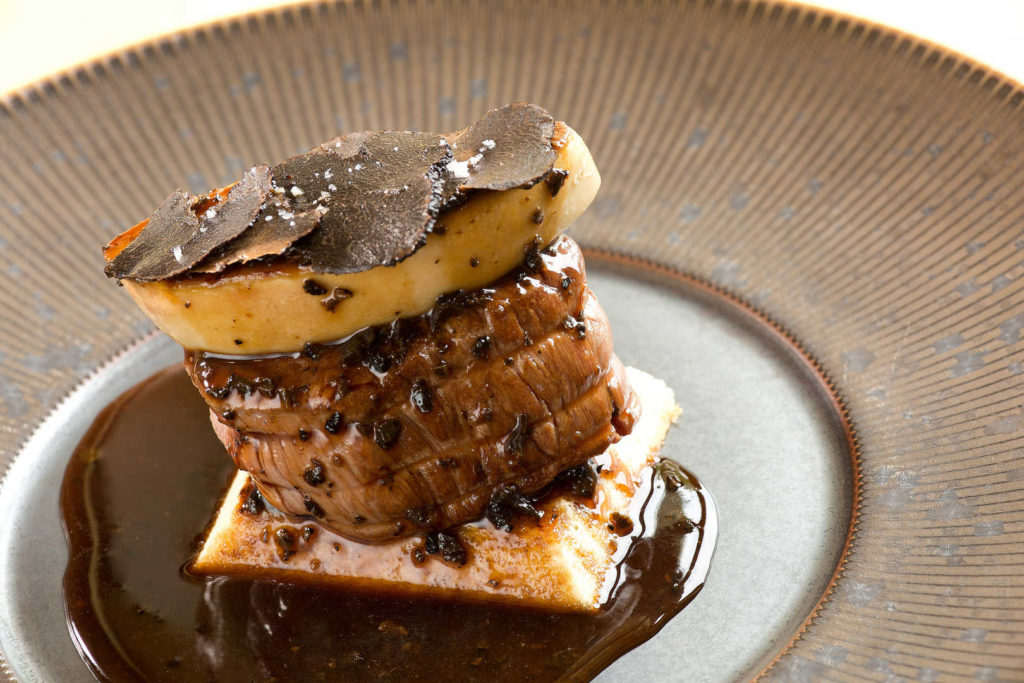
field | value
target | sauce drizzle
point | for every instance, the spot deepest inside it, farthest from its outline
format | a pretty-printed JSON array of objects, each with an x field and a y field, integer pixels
[{"x": 145, "y": 482}]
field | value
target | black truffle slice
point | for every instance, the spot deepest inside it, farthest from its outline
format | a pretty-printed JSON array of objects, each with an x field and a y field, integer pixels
[
  {"x": 382, "y": 199},
  {"x": 353, "y": 203},
  {"x": 399, "y": 156},
  {"x": 157, "y": 252},
  {"x": 348, "y": 144},
  {"x": 507, "y": 148},
  {"x": 309, "y": 178},
  {"x": 276, "y": 228},
  {"x": 176, "y": 239},
  {"x": 395, "y": 184},
  {"x": 345, "y": 242}
]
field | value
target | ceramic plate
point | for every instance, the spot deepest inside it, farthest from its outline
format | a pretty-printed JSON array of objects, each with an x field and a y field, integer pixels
[{"x": 811, "y": 227}]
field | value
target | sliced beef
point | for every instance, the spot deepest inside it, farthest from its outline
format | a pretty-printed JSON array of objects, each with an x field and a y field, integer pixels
[{"x": 414, "y": 425}]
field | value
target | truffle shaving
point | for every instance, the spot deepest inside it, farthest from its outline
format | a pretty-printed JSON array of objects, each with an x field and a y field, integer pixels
[
  {"x": 355, "y": 202},
  {"x": 511, "y": 147},
  {"x": 272, "y": 234},
  {"x": 382, "y": 200},
  {"x": 175, "y": 239}
]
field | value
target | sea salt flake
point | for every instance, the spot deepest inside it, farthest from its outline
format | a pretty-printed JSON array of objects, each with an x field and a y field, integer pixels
[{"x": 458, "y": 169}]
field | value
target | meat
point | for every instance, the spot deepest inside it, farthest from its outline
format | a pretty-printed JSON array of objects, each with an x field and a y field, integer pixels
[{"x": 413, "y": 426}]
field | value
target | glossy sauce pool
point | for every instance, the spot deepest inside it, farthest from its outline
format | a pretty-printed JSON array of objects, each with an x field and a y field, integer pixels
[{"x": 142, "y": 487}]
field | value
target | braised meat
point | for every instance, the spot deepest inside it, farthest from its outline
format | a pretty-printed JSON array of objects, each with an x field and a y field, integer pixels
[{"x": 415, "y": 425}]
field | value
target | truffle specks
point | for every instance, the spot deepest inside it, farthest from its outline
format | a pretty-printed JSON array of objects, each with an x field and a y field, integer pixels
[
  {"x": 311, "y": 286},
  {"x": 555, "y": 180},
  {"x": 421, "y": 397},
  {"x": 315, "y": 474},
  {"x": 447, "y": 545},
  {"x": 386, "y": 433},
  {"x": 506, "y": 504},
  {"x": 333, "y": 423}
]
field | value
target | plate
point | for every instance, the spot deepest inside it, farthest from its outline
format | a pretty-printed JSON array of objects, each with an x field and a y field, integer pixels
[{"x": 810, "y": 226}]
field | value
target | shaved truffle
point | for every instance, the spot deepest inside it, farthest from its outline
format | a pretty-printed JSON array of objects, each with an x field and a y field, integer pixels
[
  {"x": 513, "y": 145},
  {"x": 176, "y": 239},
  {"x": 382, "y": 199},
  {"x": 353, "y": 203},
  {"x": 157, "y": 252},
  {"x": 274, "y": 231}
]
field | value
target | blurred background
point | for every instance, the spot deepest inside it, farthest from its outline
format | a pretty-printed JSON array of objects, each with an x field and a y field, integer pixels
[{"x": 39, "y": 37}]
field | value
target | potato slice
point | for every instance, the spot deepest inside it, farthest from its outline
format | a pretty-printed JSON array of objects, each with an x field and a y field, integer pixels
[
  {"x": 561, "y": 562},
  {"x": 260, "y": 309}
]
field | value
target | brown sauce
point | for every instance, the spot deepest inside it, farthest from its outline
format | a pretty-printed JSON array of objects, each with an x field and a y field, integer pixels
[{"x": 143, "y": 485}]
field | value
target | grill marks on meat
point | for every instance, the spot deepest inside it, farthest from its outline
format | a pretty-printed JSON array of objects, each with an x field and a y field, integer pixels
[{"x": 541, "y": 400}]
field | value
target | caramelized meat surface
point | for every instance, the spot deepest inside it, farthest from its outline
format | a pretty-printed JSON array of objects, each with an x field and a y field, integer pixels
[{"x": 415, "y": 425}]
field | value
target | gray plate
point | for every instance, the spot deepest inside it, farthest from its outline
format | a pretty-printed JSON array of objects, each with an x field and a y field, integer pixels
[
  {"x": 861, "y": 187},
  {"x": 758, "y": 428}
]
